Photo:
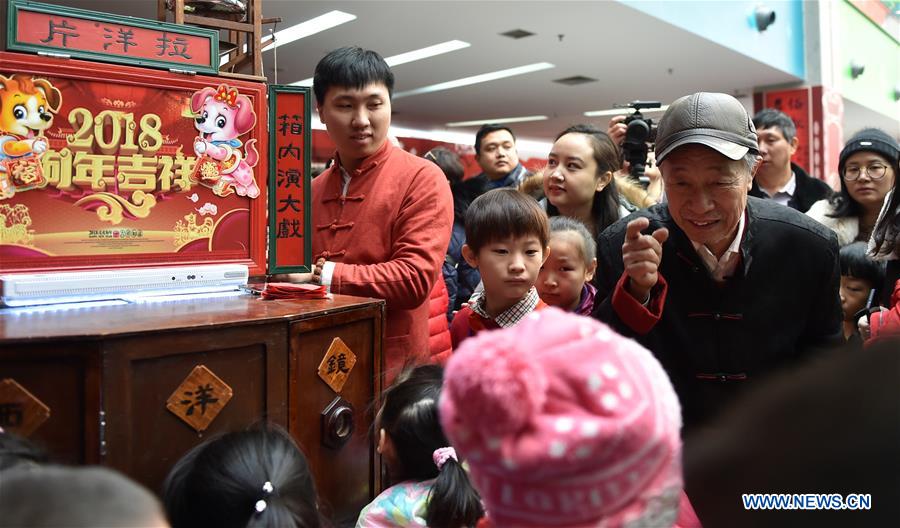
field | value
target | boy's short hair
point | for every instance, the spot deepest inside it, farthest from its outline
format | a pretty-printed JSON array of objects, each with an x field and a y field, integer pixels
[
  {"x": 855, "y": 262},
  {"x": 488, "y": 129},
  {"x": 351, "y": 67},
  {"x": 504, "y": 213}
]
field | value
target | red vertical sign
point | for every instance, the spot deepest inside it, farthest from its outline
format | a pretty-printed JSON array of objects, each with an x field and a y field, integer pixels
[
  {"x": 289, "y": 243},
  {"x": 796, "y": 104}
]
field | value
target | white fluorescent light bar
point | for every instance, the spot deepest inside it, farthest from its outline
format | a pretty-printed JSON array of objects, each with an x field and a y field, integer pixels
[
  {"x": 527, "y": 148},
  {"x": 475, "y": 79},
  {"x": 303, "y": 30},
  {"x": 498, "y": 121},
  {"x": 311, "y": 27},
  {"x": 623, "y": 111},
  {"x": 424, "y": 53},
  {"x": 410, "y": 56}
]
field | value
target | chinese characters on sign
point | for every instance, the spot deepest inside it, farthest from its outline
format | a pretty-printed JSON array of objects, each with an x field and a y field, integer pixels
[
  {"x": 289, "y": 151},
  {"x": 78, "y": 32},
  {"x": 336, "y": 365},
  {"x": 199, "y": 398},
  {"x": 795, "y": 103}
]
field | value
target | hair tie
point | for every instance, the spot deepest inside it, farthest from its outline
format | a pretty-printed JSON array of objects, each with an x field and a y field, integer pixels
[
  {"x": 442, "y": 454},
  {"x": 261, "y": 503}
]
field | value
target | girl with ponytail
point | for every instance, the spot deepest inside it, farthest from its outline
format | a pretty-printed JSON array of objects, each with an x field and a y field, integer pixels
[
  {"x": 430, "y": 487},
  {"x": 249, "y": 479}
]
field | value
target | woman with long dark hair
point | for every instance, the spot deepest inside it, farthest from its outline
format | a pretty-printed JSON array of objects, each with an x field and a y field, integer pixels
[{"x": 579, "y": 181}]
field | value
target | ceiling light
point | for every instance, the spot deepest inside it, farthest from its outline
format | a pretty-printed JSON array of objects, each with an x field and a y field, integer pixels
[
  {"x": 301, "y": 30},
  {"x": 311, "y": 27},
  {"x": 424, "y": 53},
  {"x": 498, "y": 120},
  {"x": 623, "y": 111},
  {"x": 475, "y": 79},
  {"x": 410, "y": 56}
]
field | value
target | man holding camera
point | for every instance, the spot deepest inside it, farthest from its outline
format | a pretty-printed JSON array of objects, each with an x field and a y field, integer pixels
[
  {"x": 496, "y": 154},
  {"x": 777, "y": 177},
  {"x": 746, "y": 286}
]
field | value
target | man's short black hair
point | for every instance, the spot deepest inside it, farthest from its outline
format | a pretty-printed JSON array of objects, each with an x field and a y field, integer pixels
[
  {"x": 487, "y": 129},
  {"x": 351, "y": 67},
  {"x": 769, "y": 118}
]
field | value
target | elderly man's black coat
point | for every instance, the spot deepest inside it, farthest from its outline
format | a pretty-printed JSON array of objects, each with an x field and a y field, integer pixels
[{"x": 713, "y": 339}]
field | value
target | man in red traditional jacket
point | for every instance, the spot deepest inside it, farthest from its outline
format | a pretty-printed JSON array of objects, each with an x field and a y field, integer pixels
[{"x": 381, "y": 217}]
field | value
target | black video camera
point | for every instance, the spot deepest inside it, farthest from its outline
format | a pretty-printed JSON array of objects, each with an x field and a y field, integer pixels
[{"x": 639, "y": 133}]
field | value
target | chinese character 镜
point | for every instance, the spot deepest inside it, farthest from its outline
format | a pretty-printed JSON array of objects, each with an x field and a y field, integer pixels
[{"x": 338, "y": 363}]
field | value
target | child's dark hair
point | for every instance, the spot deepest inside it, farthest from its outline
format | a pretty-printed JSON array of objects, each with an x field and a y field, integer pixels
[
  {"x": 351, "y": 67},
  {"x": 18, "y": 451},
  {"x": 409, "y": 417},
  {"x": 502, "y": 213},
  {"x": 855, "y": 262},
  {"x": 49, "y": 496},
  {"x": 222, "y": 481},
  {"x": 605, "y": 207},
  {"x": 564, "y": 224}
]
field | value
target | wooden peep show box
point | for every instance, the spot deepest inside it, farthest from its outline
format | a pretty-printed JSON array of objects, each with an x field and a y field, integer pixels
[{"x": 135, "y": 387}]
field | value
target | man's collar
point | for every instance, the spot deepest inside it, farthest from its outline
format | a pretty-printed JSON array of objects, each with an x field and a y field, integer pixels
[
  {"x": 789, "y": 188},
  {"x": 370, "y": 162}
]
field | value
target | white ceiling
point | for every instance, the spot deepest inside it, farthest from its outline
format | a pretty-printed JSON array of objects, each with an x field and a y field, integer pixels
[{"x": 633, "y": 56}]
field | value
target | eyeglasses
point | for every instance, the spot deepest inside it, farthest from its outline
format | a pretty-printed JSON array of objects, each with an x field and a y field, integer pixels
[{"x": 875, "y": 171}]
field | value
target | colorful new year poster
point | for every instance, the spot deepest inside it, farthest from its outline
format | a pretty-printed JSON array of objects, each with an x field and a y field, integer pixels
[{"x": 108, "y": 168}]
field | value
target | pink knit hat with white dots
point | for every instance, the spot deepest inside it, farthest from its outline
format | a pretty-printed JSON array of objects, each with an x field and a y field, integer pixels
[{"x": 565, "y": 423}]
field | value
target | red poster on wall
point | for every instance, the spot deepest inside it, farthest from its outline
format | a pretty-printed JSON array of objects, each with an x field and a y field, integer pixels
[
  {"x": 107, "y": 165},
  {"x": 796, "y": 104}
]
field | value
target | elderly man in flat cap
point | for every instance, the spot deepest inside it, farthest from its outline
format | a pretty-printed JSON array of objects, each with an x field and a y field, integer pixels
[{"x": 724, "y": 289}]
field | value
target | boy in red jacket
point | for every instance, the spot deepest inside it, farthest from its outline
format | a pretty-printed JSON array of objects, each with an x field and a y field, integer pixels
[{"x": 506, "y": 240}]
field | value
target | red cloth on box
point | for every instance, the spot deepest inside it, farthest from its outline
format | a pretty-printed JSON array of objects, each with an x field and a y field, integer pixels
[{"x": 288, "y": 290}]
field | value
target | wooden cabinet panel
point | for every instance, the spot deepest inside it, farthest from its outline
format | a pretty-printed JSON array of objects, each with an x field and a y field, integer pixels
[
  {"x": 143, "y": 437},
  {"x": 65, "y": 377},
  {"x": 310, "y": 340}
]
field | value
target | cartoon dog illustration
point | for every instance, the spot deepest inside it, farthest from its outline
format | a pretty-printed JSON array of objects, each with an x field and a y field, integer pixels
[
  {"x": 27, "y": 106},
  {"x": 222, "y": 116}
]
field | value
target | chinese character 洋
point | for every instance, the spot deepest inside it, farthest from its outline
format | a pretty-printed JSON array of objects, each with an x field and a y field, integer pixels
[
  {"x": 202, "y": 396},
  {"x": 125, "y": 37}
]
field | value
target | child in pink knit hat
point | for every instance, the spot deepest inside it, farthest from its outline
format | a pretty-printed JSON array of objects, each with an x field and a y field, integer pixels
[{"x": 565, "y": 423}]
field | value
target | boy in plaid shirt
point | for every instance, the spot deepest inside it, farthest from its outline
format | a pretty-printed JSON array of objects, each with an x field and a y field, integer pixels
[{"x": 507, "y": 241}]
